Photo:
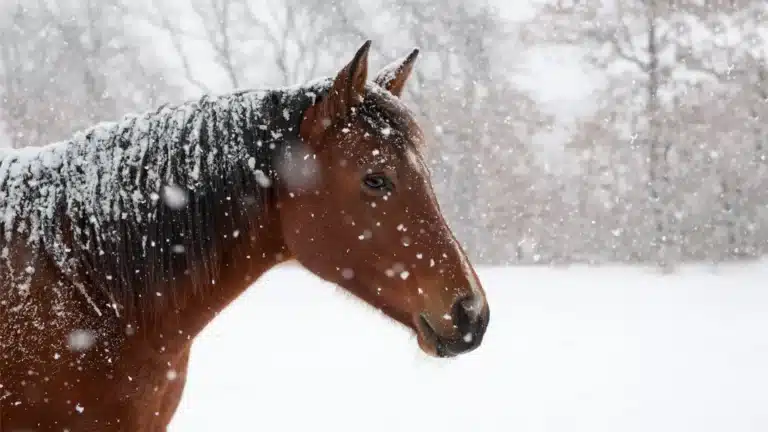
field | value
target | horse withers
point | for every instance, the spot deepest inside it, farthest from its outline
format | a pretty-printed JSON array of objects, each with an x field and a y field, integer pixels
[{"x": 118, "y": 246}]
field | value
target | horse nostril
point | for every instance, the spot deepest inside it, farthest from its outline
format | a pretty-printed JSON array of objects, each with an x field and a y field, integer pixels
[
  {"x": 467, "y": 317},
  {"x": 472, "y": 305}
]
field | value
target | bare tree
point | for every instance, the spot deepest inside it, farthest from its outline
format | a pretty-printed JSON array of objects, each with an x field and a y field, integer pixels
[
  {"x": 275, "y": 43},
  {"x": 481, "y": 121},
  {"x": 724, "y": 44},
  {"x": 66, "y": 65},
  {"x": 632, "y": 40}
]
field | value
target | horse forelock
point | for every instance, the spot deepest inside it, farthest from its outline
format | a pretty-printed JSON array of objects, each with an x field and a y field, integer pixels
[{"x": 387, "y": 117}]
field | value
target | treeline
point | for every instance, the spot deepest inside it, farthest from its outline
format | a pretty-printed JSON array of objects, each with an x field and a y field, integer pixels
[{"x": 668, "y": 165}]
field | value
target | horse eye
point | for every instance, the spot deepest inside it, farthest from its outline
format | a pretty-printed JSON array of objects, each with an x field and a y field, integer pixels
[{"x": 375, "y": 181}]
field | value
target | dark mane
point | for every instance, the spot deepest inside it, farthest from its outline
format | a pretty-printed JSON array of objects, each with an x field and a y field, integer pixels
[{"x": 132, "y": 206}]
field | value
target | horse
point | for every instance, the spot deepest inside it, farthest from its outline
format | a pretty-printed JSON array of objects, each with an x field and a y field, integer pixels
[{"x": 120, "y": 244}]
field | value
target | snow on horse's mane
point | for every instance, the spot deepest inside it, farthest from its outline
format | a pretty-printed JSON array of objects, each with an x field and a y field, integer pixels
[
  {"x": 97, "y": 205},
  {"x": 117, "y": 170},
  {"x": 102, "y": 191}
]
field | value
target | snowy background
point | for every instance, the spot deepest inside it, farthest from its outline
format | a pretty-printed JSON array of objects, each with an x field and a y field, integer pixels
[
  {"x": 587, "y": 131},
  {"x": 568, "y": 350},
  {"x": 577, "y": 148}
]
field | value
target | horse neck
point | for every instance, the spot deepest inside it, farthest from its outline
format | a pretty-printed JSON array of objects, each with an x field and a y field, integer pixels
[
  {"x": 241, "y": 257},
  {"x": 229, "y": 240},
  {"x": 242, "y": 236}
]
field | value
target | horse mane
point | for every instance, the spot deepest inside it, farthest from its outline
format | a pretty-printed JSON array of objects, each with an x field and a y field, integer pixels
[{"x": 131, "y": 206}]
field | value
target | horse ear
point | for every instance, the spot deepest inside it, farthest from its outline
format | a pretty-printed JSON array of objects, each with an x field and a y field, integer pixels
[
  {"x": 347, "y": 92},
  {"x": 394, "y": 76}
]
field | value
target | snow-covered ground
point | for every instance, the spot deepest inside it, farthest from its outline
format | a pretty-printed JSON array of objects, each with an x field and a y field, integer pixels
[{"x": 575, "y": 349}]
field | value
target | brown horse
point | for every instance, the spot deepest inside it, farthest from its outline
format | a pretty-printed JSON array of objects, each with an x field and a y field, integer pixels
[{"x": 119, "y": 246}]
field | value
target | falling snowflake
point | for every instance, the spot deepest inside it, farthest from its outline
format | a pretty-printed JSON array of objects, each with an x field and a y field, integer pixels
[
  {"x": 298, "y": 169},
  {"x": 347, "y": 273},
  {"x": 81, "y": 340},
  {"x": 262, "y": 179},
  {"x": 171, "y": 375},
  {"x": 174, "y": 197}
]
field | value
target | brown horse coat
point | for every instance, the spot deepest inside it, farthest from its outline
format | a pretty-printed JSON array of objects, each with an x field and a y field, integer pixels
[{"x": 119, "y": 245}]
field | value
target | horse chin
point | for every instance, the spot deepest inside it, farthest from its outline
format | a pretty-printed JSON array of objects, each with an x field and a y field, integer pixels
[{"x": 429, "y": 342}]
